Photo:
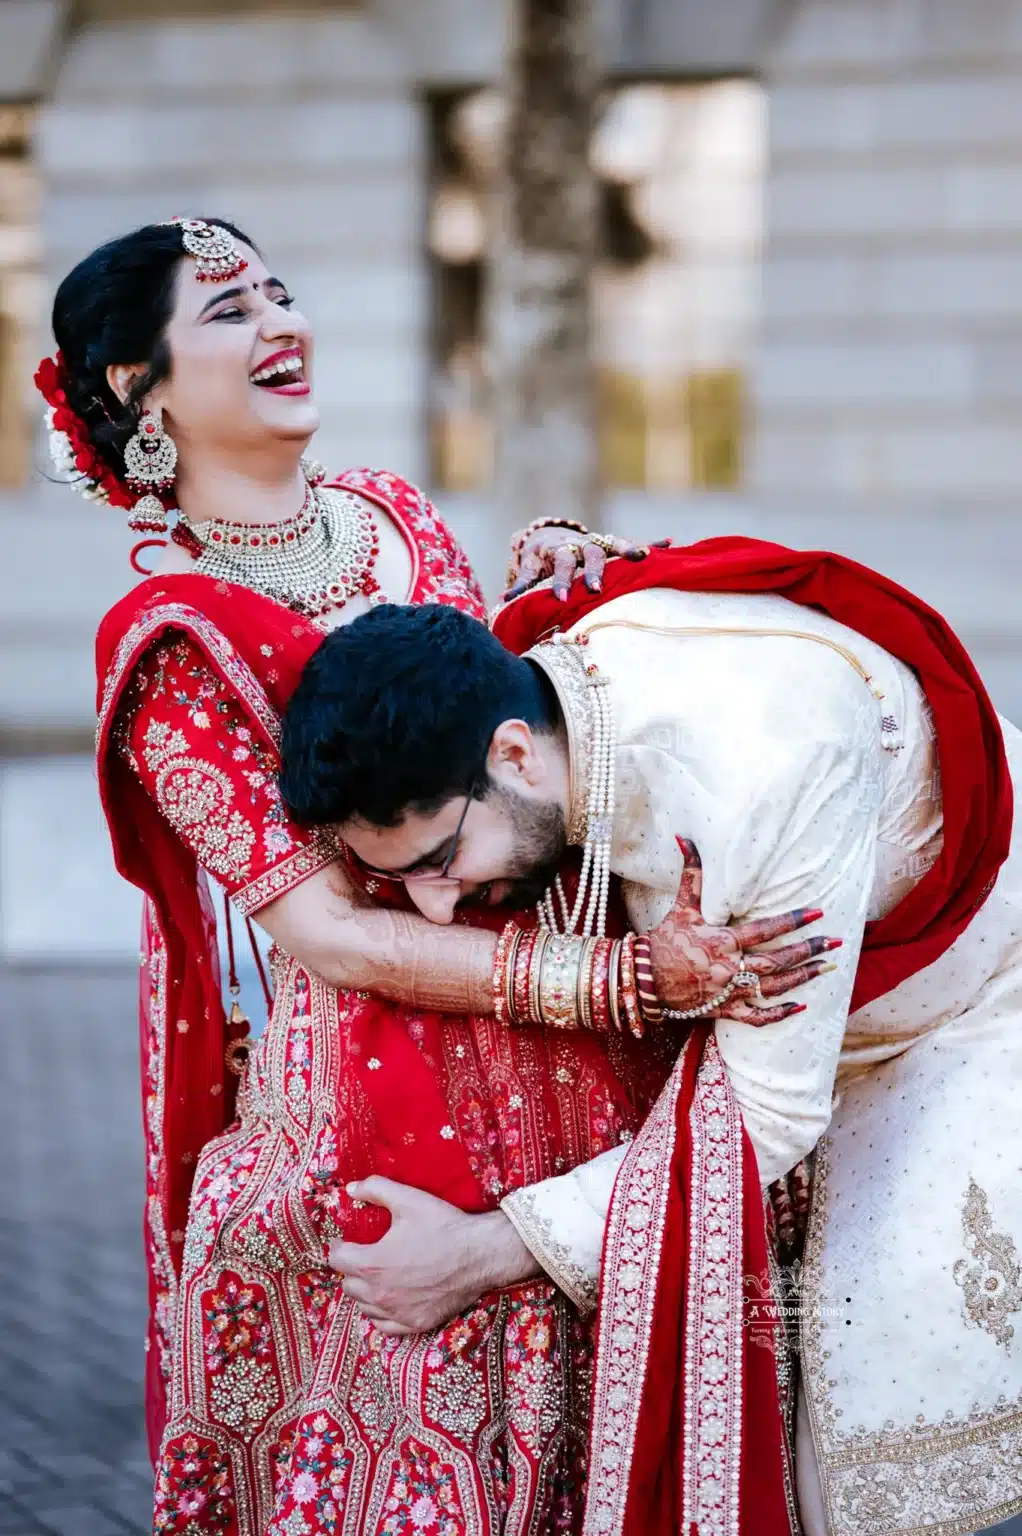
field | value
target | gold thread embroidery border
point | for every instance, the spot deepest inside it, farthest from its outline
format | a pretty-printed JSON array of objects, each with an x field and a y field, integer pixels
[
  {"x": 711, "y": 1455},
  {"x": 631, "y": 1263},
  {"x": 221, "y": 652},
  {"x": 283, "y": 877},
  {"x": 866, "y": 1466}
]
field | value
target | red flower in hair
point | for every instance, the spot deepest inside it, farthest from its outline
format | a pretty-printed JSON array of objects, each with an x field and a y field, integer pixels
[{"x": 51, "y": 379}]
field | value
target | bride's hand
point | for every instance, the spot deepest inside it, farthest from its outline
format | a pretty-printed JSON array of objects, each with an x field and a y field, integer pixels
[
  {"x": 693, "y": 961},
  {"x": 562, "y": 550}
]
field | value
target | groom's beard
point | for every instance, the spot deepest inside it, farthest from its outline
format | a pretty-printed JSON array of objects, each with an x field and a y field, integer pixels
[{"x": 540, "y": 839}]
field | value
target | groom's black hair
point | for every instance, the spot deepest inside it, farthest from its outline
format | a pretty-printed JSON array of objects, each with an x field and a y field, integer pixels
[{"x": 395, "y": 712}]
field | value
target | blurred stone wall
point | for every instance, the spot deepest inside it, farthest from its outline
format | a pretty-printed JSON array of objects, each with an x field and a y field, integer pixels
[{"x": 886, "y": 397}]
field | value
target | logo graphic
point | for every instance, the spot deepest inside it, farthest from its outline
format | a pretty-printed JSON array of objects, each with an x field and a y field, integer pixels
[{"x": 775, "y": 1306}]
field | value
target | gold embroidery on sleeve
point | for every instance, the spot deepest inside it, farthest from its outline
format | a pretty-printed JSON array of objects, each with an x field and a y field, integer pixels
[
  {"x": 537, "y": 1233},
  {"x": 992, "y": 1283},
  {"x": 196, "y": 799}
]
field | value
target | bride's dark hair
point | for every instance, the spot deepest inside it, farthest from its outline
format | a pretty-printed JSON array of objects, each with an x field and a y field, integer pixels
[{"x": 111, "y": 308}]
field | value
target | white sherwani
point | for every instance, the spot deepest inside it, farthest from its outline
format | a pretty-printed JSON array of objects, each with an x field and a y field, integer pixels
[{"x": 766, "y": 743}]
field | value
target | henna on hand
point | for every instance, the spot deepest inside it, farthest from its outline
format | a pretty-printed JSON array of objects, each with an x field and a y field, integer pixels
[
  {"x": 693, "y": 961},
  {"x": 560, "y": 552}
]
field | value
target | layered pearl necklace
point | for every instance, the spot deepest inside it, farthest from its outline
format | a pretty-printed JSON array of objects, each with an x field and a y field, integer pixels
[
  {"x": 315, "y": 561},
  {"x": 594, "y": 879}
]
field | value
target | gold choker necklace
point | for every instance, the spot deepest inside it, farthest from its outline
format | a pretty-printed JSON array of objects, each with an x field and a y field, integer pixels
[{"x": 315, "y": 561}]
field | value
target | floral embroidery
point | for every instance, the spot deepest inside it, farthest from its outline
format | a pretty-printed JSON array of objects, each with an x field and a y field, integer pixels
[
  {"x": 317, "y": 1482},
  {"x": 422, "y": 1496},
  {"x": 714, "y": 1331},
  {"x": 992, "y": 1283},
  {"x": 213, "y": 778},
  {"x": 194, "y": 1491},
  {"x": 237, "y": 1338}
]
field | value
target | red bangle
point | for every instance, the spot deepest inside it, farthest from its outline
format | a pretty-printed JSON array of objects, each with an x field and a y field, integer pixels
[
  {"x": 599, "y": 992},
  {"x": 629, "y": 991},
  {"x": 649, "y": 1003},
  {"x": 520, "y": 979}
]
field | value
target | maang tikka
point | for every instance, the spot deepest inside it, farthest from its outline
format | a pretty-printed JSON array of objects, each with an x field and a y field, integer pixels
[
  {"x": 217, "y": 257},
  {"x": 150, "y": 459}
]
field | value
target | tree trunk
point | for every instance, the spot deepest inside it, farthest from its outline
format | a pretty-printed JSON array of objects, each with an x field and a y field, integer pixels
[{"x": 539, "y": 329}]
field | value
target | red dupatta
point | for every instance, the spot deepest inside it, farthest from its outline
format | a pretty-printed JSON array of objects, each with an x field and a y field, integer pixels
[
  {"x": 687, "y": 1432},
  {"x": 188, "y": 1091}
]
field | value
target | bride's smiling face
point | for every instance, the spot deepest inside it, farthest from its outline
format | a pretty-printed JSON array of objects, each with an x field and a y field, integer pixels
[{"x": 241, "y": 360}]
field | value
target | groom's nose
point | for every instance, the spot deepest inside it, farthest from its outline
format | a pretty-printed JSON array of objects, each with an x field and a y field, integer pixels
[{"x": 435, "y": 899}]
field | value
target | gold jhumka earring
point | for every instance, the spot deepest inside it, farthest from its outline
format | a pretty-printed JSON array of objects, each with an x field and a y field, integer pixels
[{"x": 150, "y": 459}]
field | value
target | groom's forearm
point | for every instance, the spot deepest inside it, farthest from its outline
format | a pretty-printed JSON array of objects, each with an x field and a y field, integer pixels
[{"x": 396, "y": 955}]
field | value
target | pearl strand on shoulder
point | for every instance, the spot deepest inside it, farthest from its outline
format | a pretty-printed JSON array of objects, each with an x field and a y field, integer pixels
[{"x": 594, "y": 878}]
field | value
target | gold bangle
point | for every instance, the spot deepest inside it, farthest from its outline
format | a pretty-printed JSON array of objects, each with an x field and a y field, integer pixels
[
  {"x": 499, "y": 983},
  {"x": 535, "y": 972},
  {"x": 558, "y": 1004},
  {"x": 615, "y": 1002},
  {"x": 509, "y": 975},
  {"x": 554, "y": 522},
  {"x": 584, "y": 984}
]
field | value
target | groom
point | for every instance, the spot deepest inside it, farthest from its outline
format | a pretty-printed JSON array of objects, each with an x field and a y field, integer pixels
[{"x": 801, "y": 756}]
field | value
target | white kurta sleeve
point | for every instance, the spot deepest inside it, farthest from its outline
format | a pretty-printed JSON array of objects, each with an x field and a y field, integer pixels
[
  {"x": 562, "y": 1221},
  {"x": 803, "y": 832}
]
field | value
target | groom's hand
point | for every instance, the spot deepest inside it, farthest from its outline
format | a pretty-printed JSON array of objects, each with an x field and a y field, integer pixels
[{"x": 431, "y": 1264}]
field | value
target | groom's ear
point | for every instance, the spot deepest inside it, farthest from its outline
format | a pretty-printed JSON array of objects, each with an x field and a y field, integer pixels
[{"x": 513, "y": 759}]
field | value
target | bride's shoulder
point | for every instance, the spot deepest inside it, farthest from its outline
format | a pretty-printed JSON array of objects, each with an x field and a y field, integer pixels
[{"x": 173, "y": 561}]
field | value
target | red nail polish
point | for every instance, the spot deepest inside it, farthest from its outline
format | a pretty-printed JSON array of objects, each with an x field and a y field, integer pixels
[
  {"x": 797, "y": 1008},
  {"x": 811, "y": 914},
  {"x": 833, "y": 943}
]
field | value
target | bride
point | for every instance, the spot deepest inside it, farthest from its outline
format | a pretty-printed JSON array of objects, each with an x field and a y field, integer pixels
[{"x": 183, "y": 381}]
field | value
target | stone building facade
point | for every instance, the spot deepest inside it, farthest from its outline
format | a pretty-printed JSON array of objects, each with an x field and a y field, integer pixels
[{"x": 886, "y": 388}]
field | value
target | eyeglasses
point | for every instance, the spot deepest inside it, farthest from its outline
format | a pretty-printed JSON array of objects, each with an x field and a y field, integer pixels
[{"x": 428, "y": 873}]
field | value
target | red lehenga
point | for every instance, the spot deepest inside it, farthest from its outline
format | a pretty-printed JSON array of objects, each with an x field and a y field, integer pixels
[{"x": 275, "y": 1409}]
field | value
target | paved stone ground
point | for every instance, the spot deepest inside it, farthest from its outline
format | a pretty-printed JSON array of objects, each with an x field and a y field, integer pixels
[
  {"x": 73, "y": 1459},
  {"x": 72, "y": 1452}
]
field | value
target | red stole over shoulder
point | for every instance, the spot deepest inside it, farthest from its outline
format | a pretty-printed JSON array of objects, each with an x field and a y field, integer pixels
[
  {"x": 188, "y": 1092},
  {"x": 686, "y": 1434},
  {"x": 975, "y": 779}
]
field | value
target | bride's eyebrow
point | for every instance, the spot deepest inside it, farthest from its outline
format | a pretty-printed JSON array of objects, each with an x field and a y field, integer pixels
[
  {"x": 239, "y": 292},
  {"x": 218, "y": 298}
]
